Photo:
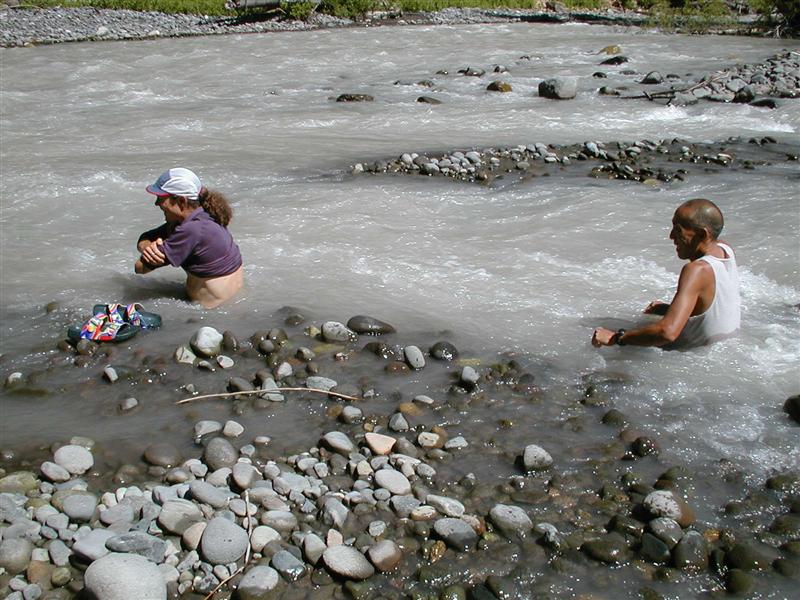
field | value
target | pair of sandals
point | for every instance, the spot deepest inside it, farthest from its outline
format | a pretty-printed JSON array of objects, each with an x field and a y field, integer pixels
[{"x": 114, "y": 323}]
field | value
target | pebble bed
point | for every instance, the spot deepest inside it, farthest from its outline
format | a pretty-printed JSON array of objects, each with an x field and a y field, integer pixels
[
  {"x": 367, "y": 509},
  {"x": 763, "y": 85},
  {"x": 30, "y": 26}
]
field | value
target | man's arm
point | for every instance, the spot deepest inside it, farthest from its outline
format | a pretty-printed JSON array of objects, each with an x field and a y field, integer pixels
[{"x": 694, "y": 278}]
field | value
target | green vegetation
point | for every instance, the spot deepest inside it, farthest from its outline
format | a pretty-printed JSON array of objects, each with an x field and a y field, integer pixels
[{"x": 779, "y": 16}]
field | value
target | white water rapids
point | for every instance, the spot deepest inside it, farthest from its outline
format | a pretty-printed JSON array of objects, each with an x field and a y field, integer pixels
[{"x": 530, "y": 268}]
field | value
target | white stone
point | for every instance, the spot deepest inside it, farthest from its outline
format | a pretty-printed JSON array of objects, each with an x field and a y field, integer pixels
[
  {"x": 119, "y": 576},
  {"x": 75, "y": 459}
]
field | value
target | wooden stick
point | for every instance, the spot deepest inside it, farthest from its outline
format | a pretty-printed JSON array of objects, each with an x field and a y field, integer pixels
[{"x": 274, "y": 391}]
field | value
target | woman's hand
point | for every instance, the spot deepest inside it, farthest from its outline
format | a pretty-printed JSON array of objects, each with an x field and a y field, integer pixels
[
  {"x": 152, "y": 255},
  {"x": 656, "y": 307}
]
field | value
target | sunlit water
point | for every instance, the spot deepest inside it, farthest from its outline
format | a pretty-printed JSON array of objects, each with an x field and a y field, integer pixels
[{"x": 528, "y": 268}]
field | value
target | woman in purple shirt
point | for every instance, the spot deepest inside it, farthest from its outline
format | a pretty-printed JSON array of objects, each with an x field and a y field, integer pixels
[{"x": 195, "y": 237}]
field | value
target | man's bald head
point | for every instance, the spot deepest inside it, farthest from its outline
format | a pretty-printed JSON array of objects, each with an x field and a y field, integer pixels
[{"x": 700, "y": 213}]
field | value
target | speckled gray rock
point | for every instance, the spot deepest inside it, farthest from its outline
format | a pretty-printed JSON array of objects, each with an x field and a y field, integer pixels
[
  {"x": 123, "y": 577},
  {"x": 334, "y": 331},
  {"x": 162, "y": 454},
  {"x": 559, "y": 88},
  {"x": 223, "y": 541},
  {"x": 257, "y": 583},
  {"x": 206, "y": 342},
  {"x": 75, "y": 459},
  {"x": 261, "y": 536},
  {"x": 662, "y": 503},
  {"x": 80, "y": 506},
  {"x": 347, "y": 562},
  {"x": 55, "y": 473},
  {"x": 321, "y": 383},
  {"x": 313, "y": 547},
  {"x": 138, "y": 542},
  {"x": 536, "y": 458},
  {"x": 208, "y": 494},
  {"x": 414, "y": 357},
  {"x": 456, "y": 533},
  {"x": 15, "y": 554},
  {"x": 394, "y": 481},
  {"x": 119, "y": 513},
  {"x": 177, "y": 515},
  {"x": 205, "y": 427},
  {"x": 219, "y": 453},
  {"x": 511, "y": 520}
]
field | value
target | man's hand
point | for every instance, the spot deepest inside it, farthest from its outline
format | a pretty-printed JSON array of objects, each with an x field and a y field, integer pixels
[
  {"x": 656, "y": 307},
  {"x": 152, "y": 254},
  {"x": 603, "y": 337}
]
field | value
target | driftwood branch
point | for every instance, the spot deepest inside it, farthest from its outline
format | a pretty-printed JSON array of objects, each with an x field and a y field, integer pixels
[
  {"x": 673, "y": 93},
  {"x": 264, "y": 392}
]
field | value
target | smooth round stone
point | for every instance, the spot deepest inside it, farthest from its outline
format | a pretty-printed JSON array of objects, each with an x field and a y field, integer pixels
[
  {"x": 347, "y": 562},
  {"x": 257, "y": 583},
  {"x": 191, "y": 537},
  {"x": 123, "y": 577},
  {"x": 15, "y": 554},
  {"x": 338, "y": 442},
  {"x": 279, "y": 520},
  {"x": 263, "y": 535},
  {"x": 245, "y": 475},
  {"x": 334, "y": 331},
  {"x": 120, "y": 513},
  {"x": 457, "y": 443},
  {"x": 414, "y": 357},
  {"x": 469, "y": 376},
  {"x": 205, "y": 427},
  {"x": 219, "y": 453},
  {"x": 394, "y": 481},
  {"x": 747, "y": 557},
  {"x": 177, "y": 515},
  {"x": 446, "y": 506},
  {"x": 443, "y": 351},
  {"x": 385, "y": 555},
  {"x": 79, "y": 506},
  {"x": 456, "y": 533},
  {"x": 208, "y": 494},
  {"x": 511, "y": 520},
  {"x": 351, "y": 414},
  {"x": 288, "y": 565},
  {"x": 691, "y": 552},
  {"x": 55, "y": 473},
  {"x": 232, "y": 429},
  {"x": 206, "y": 342},
  {"x": 184, "y": 355},
  {"x": 380, "y": 444},
  {"x": 667, "y": 530},
  {"x": 369, "y": 325},
  {"x": 398, "y": 422},
  {"x": 162, "y": 454},
  {"x": 610, "y": 549},
  {"x": 428, "y": 439},
  {"x": 536, "y": 458},
  {"x": 75, "y": 459},
  {"x": 321, "y": 383},
  {"x": 223, "y": 541},
  {"x": 225, "y": 362}
]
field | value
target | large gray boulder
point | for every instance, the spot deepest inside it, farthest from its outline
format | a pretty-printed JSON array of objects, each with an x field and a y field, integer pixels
[{"x": 123, "y": 577}]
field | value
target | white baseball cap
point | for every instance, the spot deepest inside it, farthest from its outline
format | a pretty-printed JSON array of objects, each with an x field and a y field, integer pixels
[{"x": 177, "y": 182}]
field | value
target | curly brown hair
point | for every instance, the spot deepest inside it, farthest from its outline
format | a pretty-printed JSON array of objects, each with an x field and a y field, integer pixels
[{"x": 216, "y": 205}]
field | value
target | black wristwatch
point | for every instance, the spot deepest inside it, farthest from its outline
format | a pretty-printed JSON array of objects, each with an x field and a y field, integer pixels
[{"x": 618, "y": 337}]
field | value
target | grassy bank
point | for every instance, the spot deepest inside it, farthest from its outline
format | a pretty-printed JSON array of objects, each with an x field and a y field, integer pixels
[{"x": 781, "y": 17}]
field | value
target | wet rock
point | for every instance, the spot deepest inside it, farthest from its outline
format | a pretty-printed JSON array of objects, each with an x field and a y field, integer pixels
[
  {"x": 369, "y": 325},
  {"x": 792, "y": 407},
  {"x": 667, "y": 530},
  {"x": 456, "y": 533},
  {"x": 206, "y": 342},
  {"x": 663, "y": 503},
  {"x": 414, "y": 357},
  {"x": 75, "y": 459},
  {"x": 469, "y": 378},
  {"x": 610, "y": 549},
  {"x": 536, "y": 458},
  {"x": 125, "y": 576},
  {"x": 747, "y": 557},
  {"x": 429, "y": 100},
  {"x": 354, "y": 98},
  {"x": 443, "y": 351},
  {"x": 788, "y": 524},
  {"x": 321, "y": 383},
  {"x": 653, "y": 77},
  {"x": 744, "y": 95},
  {"x": 653, "y": 549},
  {"x": 219, "y": 453},
  {"x": 738, "y": 582},
  {"x": 257, "y": 583},
  {"x": 691, "y": 553},
  {"x": 559, "y": 88},
  {"x": 380, "y": 444},
  {"x": 446, "y": 506},
  {"x": 511, "y": 520},
  {"x": 472, "y": 72},
  {"x": 288, "y": 565},
  {"x": 770, "y": 103},
  {"x": 385, "y": 555},
  {"x": 499, "y": 86},
  {"x": 333, "y": 331},
  {"x": 162, "y": 454},
  {"x": 615, "y": 60},
  {"x": 20, "y": 482},
  {"x": 347, "y": 562}
]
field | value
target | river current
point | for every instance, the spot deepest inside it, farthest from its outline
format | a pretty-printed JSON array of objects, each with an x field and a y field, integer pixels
[{"x": 527, "y": 269}]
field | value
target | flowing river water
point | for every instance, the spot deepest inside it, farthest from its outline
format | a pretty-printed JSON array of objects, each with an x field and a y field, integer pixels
[{"x": 527, "y": 269}]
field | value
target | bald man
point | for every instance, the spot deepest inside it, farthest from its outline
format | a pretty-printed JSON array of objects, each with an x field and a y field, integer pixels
[{"x": 705, "y": 307}]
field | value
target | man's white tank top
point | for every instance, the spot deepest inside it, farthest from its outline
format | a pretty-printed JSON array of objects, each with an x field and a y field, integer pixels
[{"x": 723, "y": 317}]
